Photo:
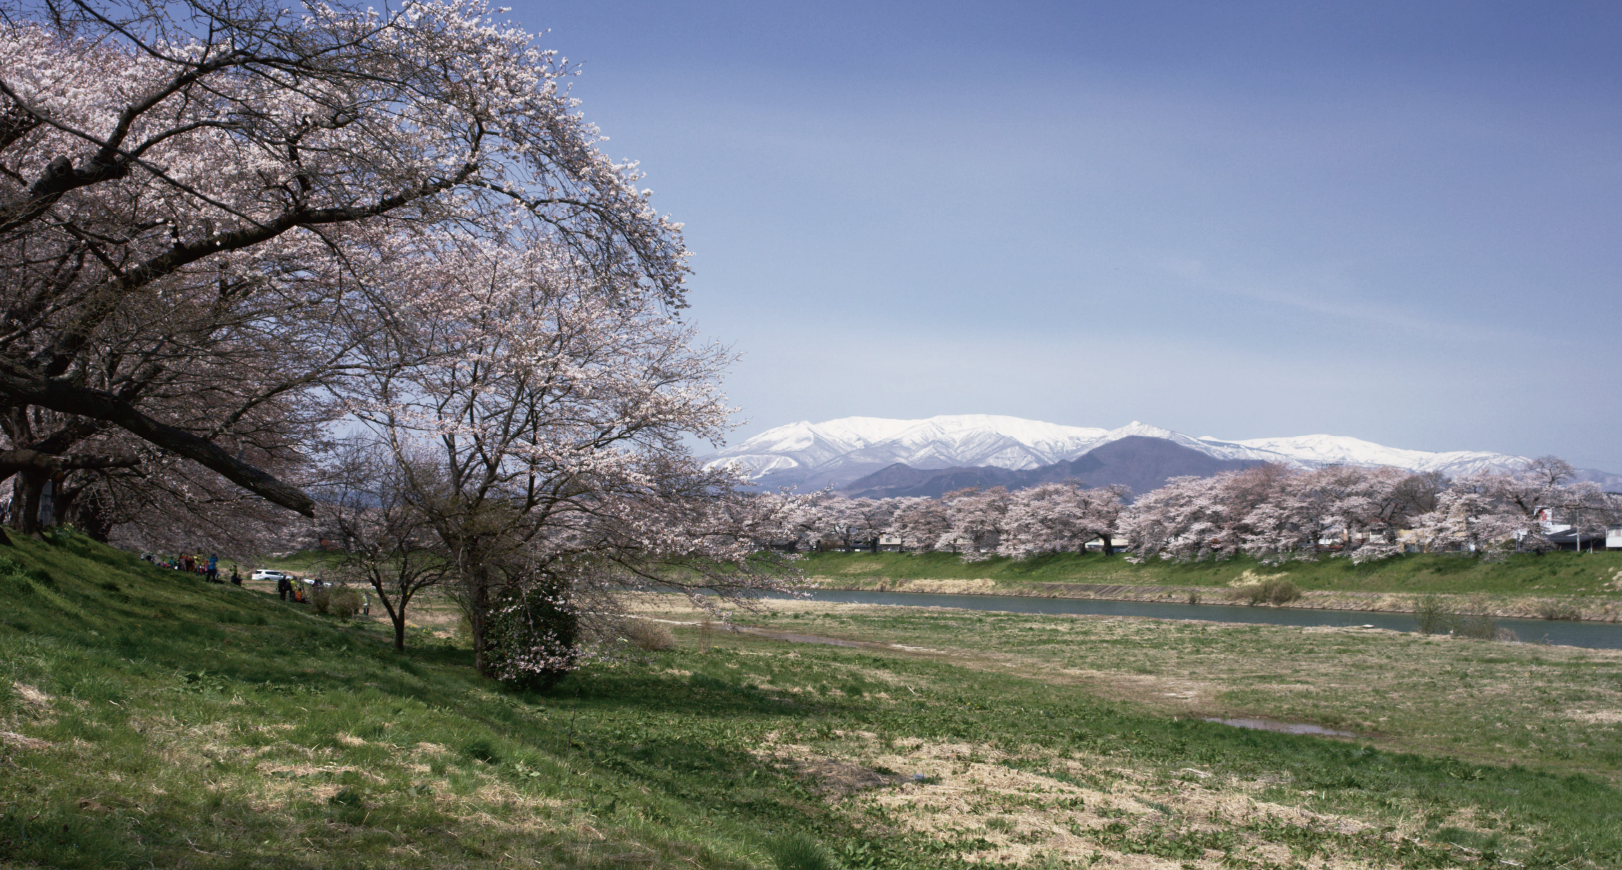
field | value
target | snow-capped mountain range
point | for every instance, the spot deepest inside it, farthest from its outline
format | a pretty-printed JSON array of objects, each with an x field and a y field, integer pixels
[{"x": 834, "y": 453}]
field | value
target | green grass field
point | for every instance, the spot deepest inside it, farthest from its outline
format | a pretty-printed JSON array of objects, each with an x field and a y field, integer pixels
[
  {"x": 1586, "y": 574},
  {"x": 148, "y": 719}
]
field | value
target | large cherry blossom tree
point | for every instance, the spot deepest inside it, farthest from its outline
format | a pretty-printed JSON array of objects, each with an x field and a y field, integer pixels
[
  {"x": 205, "y": 208},
  {"x": 1059, "y": 518},
  {"x": 920, "y": 523}
]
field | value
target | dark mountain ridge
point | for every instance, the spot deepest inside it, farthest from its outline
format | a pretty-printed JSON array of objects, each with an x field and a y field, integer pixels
[{"x": 1138, "y": 462}]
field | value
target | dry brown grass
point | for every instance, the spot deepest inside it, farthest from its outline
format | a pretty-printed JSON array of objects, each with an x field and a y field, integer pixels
[
  {"x": 1026, "y": 816},
  {"x": 647, "y": 635},
  {"x": 8, "y": 738},
  {"x": 34, "y": 699}
]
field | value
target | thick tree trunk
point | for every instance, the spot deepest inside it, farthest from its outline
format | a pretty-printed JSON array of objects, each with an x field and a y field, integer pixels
[
  {"x": 1109, "y": 544},
  {"x": 25, "y": 501}
]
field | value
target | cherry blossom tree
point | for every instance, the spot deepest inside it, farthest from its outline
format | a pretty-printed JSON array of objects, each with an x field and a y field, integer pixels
[
  {"x": 1059, "y": 518},
  {"x": 550, "y": 416},
  {"x": 1184, "y": 519},
  {"x": 226, "y": 225},
  {"x": 1589, "y": 510},
  {"x": 851, "y": 523},
  {"x": 977, "y": 522},
  {"x": 920, "y": 523},
  {"x": 204, "y": 208},
  {"x": 1195, "y": 518},
  {"x": 1471, "y": 515},
  {"x": 795, "y": 519},
  {"x": 1343, "y": 510},
  {"x": 1494, "y": 512},
  {"x": 1546, "y": 493}
]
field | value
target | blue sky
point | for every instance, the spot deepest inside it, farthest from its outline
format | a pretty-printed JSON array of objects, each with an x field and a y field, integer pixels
[{"x": 1401, "y": 222}]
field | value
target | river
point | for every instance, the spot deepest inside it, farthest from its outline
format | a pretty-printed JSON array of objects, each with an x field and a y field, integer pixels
[{"x": 1593, "y": 635}]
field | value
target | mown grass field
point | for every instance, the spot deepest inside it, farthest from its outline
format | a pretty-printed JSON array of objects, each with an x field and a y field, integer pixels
[
  {"x": 148, "y": 719},
  {"x": 1585, "y": 574}
]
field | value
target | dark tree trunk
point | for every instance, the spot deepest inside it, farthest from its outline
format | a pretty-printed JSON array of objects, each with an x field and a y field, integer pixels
[
  {"x": 25, "y": 501},
  {"x": 478, "y": 608},
  {"x": 1109, "y": 544},
  {"x": 63, "y": 499},
  {"x": 94, "y": 519}
]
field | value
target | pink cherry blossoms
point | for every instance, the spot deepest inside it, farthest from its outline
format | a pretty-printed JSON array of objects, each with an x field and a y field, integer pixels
[{"x": 1270, "y": 512}]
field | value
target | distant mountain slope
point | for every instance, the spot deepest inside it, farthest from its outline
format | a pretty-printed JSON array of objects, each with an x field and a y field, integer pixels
[
  {"x": 1141, "y": 463},
  {"x": 839, "y": 452},
  {"x": 813, "y": 455},
  {"x": 1343, "y": 450}
]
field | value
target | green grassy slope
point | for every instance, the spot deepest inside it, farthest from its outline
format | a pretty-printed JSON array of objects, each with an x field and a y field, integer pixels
[
  {"x": 1550, "y": 574},
  {"x": 147, "y": 719},
  {"x": 152, "y": 718}
]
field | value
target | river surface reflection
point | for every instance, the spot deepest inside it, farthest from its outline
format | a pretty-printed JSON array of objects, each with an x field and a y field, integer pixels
[{"x": 1594, "y": 635}]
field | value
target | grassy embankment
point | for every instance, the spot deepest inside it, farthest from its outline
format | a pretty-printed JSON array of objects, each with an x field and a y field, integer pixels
[
  {"x": 149, "y": 719},
  {"x": 1587, "y": 585}
]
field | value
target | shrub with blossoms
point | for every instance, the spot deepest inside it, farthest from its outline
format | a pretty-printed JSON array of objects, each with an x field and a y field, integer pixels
[{"x": 533, "y": 637}]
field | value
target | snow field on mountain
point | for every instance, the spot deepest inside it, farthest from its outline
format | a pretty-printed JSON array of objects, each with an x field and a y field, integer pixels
[{"x": 839, "y": 451}]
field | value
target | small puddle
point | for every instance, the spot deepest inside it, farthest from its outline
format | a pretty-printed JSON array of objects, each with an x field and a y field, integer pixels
[{"x": 1283, "y": 727}]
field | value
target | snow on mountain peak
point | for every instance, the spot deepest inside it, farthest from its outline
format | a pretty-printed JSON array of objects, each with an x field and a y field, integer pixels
[{"x": 838, "y": 451}]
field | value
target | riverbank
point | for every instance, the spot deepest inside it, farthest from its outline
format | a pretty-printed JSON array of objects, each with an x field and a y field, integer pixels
[{"x": 1563, "y": 586}]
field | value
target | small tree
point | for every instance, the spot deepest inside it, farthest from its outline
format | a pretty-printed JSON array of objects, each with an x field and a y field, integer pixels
[{"x": 385, "y": 538}]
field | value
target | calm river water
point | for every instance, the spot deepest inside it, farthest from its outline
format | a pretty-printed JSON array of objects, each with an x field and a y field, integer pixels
[{"x": 1595, "y": 635}]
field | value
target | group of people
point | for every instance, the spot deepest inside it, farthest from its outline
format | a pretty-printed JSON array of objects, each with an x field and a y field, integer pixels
[
  {"x": 289, "y": 588},
  {"x": 209, "y": 567}
]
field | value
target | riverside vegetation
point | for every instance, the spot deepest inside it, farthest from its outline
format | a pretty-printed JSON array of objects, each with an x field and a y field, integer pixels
[
  {"x": 149, "y": 719},
  {"x": 1558, "y": 585}
]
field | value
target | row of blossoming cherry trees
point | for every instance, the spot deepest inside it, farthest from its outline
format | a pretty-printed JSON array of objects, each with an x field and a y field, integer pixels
[{"x": 1271, "y": 512}]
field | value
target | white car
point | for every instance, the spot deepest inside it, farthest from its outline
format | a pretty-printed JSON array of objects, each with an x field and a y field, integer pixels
[{"x": 267, "y": 574}]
